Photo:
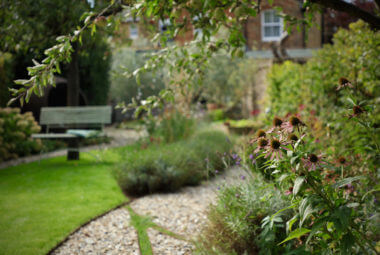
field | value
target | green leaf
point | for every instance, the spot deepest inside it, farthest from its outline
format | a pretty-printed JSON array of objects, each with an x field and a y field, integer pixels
[
  {"x": 11, "y": 101},
  {"x": 283, "y": 177},
  {"x": 296, "y": 234},
  {"x": 317, "y": 227},
  {"x": 348, "y": 240},
  {"x": 21, "y": 82},
  {"x": 305, "y": 209},
  {"x": 93, "y": 29},
  {"x": 290, "y": 223},
  {"x": 351, "y": 101},
  {"x": 346, "y": 181},
  {"x": 28, "y": 94},
  {"x": 298, "y": 184}
]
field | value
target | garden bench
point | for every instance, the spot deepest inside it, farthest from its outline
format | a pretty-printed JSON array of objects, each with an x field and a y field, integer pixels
[{"x": 79, "y": 122}]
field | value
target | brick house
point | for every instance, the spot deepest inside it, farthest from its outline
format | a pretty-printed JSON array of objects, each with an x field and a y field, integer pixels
[
  {"x": 266, "y": 40},
  {"x": 262, "y": 32}
]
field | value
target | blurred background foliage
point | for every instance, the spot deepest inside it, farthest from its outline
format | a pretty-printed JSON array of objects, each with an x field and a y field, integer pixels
[{"x": 311, "y": 89}]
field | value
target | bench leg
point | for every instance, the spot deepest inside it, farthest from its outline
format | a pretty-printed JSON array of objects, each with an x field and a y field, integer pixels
[{"x": 73, "y": 150}]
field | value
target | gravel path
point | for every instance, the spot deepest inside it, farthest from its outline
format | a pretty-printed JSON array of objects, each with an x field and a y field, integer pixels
[
  {"x": 166, "y": 245},
  {"x": 110, "y": 234},
  {"x": 183, "y": 213}
]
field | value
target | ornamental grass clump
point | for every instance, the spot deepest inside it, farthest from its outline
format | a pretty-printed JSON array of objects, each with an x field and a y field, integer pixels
[
  {"x": 15, "y": 134},
  {"x": 234, "y": 222}
]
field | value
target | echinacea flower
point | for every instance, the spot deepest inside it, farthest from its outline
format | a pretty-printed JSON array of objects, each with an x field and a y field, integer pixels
[
  {"x": 259, "y": 134},
  {"x": 342, "y": 161},
  {"x": 293, "y": 138},
  {"x": 289, "y": 191},
  {"x": 312, "y": 162},
  {"x": 293, "y": 122},
  {"x": 274, "y": 149},
  {"x": 277, "y": 122},
  {"x": 356, "y": 111},
  {"x": 344, "y": 83},
  {"x": 261, "y": 144}
]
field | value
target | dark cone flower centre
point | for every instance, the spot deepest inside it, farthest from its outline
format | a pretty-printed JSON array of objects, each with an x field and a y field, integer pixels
[
  {"x": 342, "y": 160},
  {"x": 295, "y": 121},
  {"x": 343, "y": 81},
  {"x": 261, "y": 133},
  {"x": 275, "y": 144},
  {"x": 277, "y": 122},
  {"x": 357, "y": 109},
  {"x": 293, "y": 137},
  {"x": 263, "y": 142},
  {"x": 313, "y": 158}
]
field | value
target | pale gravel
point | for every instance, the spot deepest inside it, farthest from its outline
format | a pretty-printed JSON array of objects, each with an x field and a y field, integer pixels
[
  {"x": 184, "y": 213},
  {"x": 166, "y": 245},
  {"x": 110, "y": 234}
]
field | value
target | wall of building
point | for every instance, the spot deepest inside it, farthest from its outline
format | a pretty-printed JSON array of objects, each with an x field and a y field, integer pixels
[{"x": 295, "y": 40}]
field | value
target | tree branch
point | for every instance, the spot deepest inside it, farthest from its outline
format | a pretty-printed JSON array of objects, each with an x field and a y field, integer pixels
[{"x": 354, "y": 11}]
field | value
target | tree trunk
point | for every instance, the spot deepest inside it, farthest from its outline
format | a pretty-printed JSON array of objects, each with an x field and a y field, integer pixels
[
  {"x": 73, "y": 79},
  {"x": 73, "y": 98}
]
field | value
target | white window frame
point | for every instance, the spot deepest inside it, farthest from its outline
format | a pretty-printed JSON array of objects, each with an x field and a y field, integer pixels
[
  {"x": 197, "y": 31},
  {"x": 162, "y": 23},
  {"x": 135, "y": 28},
  {"x": 264, "y": 24}
]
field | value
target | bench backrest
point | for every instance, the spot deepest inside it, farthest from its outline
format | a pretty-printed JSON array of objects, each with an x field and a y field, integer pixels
[{"x": 77, "y": 116}]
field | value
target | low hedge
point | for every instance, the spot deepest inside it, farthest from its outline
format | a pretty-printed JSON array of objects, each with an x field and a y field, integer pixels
[{"x": 167, "y": 167}]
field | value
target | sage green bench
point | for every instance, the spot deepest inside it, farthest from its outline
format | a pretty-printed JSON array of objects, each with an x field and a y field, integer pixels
[{"x": 80, "y": 122}]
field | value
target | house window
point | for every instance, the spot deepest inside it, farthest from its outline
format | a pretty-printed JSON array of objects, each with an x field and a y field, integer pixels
[
  {"x": 272, "y": 27},
  {"x": 163, "y": 25},
  {"x": 198, "y": 32},
  {"x": 133, "y": 31},
  {"x": 91, "y": 3}
]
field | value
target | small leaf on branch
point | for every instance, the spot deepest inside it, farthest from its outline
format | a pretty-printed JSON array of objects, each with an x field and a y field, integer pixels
[
  {"x": 296, "y": 234},
  {"x": 298, "y": 184},
  {"x": 346, "y": 181}
]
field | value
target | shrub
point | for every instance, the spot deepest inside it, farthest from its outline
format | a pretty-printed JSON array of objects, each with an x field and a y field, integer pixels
[
  {"x": 217, "y": 88},
  {"x": 123, "y": 89},
  {"x": 216, "y": 115},
  {"x": 15, "y": 134},
  {"x": 167, "y": 167},
  {"x": 354, "y": 55},
  {"x": 234, "y": 225},
  {"x": 311, "y": 89},
  {"x": 6, "y": 77},
  {"x": 324, "y": 190},
  {"x": 174, "y": 127},
  {"x": 227, "y": 81}
]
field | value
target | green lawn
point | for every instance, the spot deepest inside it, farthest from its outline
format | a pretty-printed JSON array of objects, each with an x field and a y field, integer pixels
[{"x": 41, "y": 203}]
